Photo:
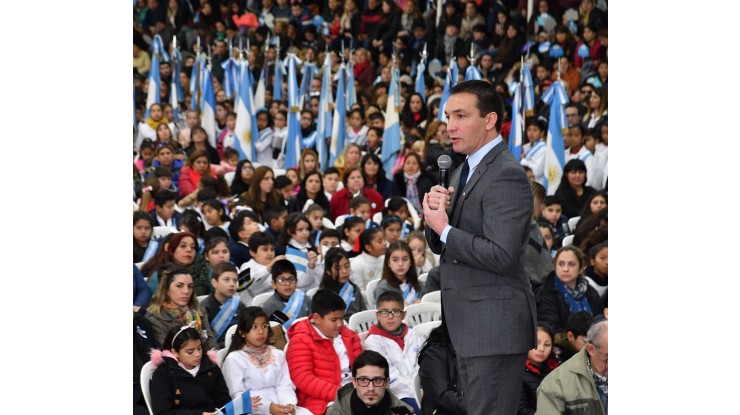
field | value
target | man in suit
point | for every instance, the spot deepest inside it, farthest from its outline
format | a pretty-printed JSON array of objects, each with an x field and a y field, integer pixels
[{"x": 480, "y": 226}]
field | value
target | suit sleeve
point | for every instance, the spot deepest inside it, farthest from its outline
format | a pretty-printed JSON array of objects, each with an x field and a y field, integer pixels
[{"x": 506, "y": 204}]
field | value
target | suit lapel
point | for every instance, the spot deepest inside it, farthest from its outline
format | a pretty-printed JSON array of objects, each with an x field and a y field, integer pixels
[{"x": 480, "y": 170}]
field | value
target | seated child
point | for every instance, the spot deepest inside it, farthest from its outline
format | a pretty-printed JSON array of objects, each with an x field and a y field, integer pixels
[
  {"x": 573, "y": 339},
  {"x": 286, "y": 299},
  {"x": 275, "y": 220},
  {"x": 254, "y": 275},
  {"x": 245, "y": 223},
  {"x": 394, "y": 340},
  {"x": 351, "y": 230},
  {"x": 336, "y": 278},
  {"x": 399, "y": 274},
  {"x": 552, "y": 214},
  {"x": 422, "y": 256},
  {"x": 369, "y": 264},
  {"x": 222, "y": 306},
  {"x": 214, "y": 215},
  {"x": 144, "y": 247},
  {"x": 397, "y": 206},
  {"x": 164, "y": 213},
  {"x": 391, "y": 225},
  {"x": 321, "y": 352}
]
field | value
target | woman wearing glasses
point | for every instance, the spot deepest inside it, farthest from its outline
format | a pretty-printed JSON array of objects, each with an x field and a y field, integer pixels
[{"x": 174, "y": 305}]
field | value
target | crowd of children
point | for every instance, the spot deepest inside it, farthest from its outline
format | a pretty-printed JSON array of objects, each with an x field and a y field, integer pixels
[{"x": 211, "y": 232}]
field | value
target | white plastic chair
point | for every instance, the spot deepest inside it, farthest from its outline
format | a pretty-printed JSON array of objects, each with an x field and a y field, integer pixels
[
  {"x": 327, "y": 223},
  {"x": 229, "y": 177},
  {"x": 260, "y": 299},
  {"x": 146, "y": 375},
  {"x": 422, "y": 313},
  {"x": 568, "y": 240},
  {"x": 312, "y": 291},
  {"x": 229, "y": 333},
  {"x": 423, "y": 277},
  {"x": 370, "y": 291},
  {"x": 417, "y": 386},
  {"x": 340, "y": 220},
  {"x": 221, "y": 356},
  {"x": 159, "y": 232},
  {"x": 432, "y": 297},
  {"x": 202, "y": 298},
  {"x": 139, "y": 265},
  {"x": 422, "y": 330},
  {"x": 361, "y": 321},
  {"x": 572, "y": 222}
]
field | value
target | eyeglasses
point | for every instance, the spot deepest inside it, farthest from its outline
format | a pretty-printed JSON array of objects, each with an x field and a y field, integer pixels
[
  {"x": 377, "y": 382},
  {"x": 286, "y": 281},
  {"x": 394, "y": 313}
]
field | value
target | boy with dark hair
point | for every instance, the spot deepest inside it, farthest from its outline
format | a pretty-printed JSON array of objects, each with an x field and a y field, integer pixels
[
  {"x": 321, "y": 353},
  {"x": 533, "y": 153},
  {"x": 244, "y": 224},
  {"x": 552, "y": 214},
  {"x": 275, "y": 219},
  {"x": 164, "y": 213},
  {"x": 223, "y": 305},
  {"x": 368, "y": 393},
  {"x": 254, "y": 275},
  {"x": 394, "y": 340},
  {"x": 286, "y": 299},
  {"x": 573, "y": 339}
]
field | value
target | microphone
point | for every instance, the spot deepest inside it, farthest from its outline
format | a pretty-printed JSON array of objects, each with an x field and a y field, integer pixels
[
  {"x": 444, "y": 162},
  {"x": 279, "y": 316}
]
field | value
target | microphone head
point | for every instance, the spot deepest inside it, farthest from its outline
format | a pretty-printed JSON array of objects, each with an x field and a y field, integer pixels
[{"x": 444, "y": 161}]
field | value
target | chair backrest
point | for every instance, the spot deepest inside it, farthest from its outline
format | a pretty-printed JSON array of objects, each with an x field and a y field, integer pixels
[
  {"x": 202, "y": 298},
  {"x": 370, "y": 291},
  {"x": 260, "y": 299},
  {"x": 340, "y": 220},
  {"x": 146, "y": 375},
  {"x": 361, "y": 321},
  {"x": 423, "y": 277},
  {"x": 221, "y": 356},
  {"x": 229, "y": 177},
  {"x": 572, "y": 222},
  {"x": 159, "y": 232},
  {"x": 378, "y": 217},
  {"x": 568, "y": 240},
  {"x": 422, "y": 330},
  {"x": 417, "y": 387},
  {"x": 422, "y": 313},
  {"x": 432, "y": 297},
  {"x": 312, "y": 291},
  {"x": 327, "y": 223},
  {"x": 229, "y": 333}
]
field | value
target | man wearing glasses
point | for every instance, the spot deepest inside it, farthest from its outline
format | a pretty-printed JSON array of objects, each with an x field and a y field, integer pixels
[
  {"x": 368, "y": 393},
  {"x": 581, "y": 384}
]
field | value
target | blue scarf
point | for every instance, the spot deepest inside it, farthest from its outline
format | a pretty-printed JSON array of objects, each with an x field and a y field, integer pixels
[
  {"x": 576, "y": 299},
  {"x": 347, "y": 293},
  {"x": 293, "y": 307},
  {"x": 221, "y": 322}
]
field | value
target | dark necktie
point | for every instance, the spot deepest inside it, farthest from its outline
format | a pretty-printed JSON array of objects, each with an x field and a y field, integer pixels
[{"x": 463, "y": 180}]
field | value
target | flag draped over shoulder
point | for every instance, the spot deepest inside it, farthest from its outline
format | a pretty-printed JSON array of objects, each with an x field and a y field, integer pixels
[
  {"x": 517, "y": 125},
  {"x": 294, "y": 139},
  {"x": 208, "y": 105},
  {"x": 324, "y": 122},
  {"x": 392, "y": 133},
  {"x": 245, "y": 130},
  {"x": 339, "y": 125},
  {"x": 556, "y": 98}
]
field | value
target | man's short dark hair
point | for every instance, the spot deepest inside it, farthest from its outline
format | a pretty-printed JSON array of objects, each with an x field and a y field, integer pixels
[
  {"x": 260, "y": 239},
  {"x": 281, "y": 267},
  {"x": 579, "y": 323},
  {"x": 327, "y": 301},
  {"x": 162, "y": 196},
  {"x": 370, "y": 358},
  {"x": 237, "y": 224},
  {"x": 488, "y": 99}
]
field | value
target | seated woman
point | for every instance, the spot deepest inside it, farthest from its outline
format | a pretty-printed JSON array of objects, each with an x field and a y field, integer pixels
[
  {"x": 186, "y": 378},
  {"x": 439, "y": 377},
  {"x": 565, "y": 291},
  {"x": 572, "y": 193},
  {"x": 312, "y": 188},
  {"x": 180, "y": 249},
  {"x": 375, "y": 177},
  {"x": 413, "y": 181},
  {"x": 253, "y": 364},
  {"x": 354, "y": 184},
  {"x": 174, "y": 305}
]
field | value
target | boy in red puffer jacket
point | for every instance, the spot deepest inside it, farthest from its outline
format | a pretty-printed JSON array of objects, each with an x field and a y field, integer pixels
[{"x": 321, "y": 352}]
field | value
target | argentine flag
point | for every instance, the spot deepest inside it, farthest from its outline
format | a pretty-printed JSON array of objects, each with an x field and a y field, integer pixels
[
  {"x": 240, "y": 405},
  {"x": 208, "y": 105},
  {"x": 295, "y": 139},
  {"x": 472, "y": 73},
  {"x": 324, "y": 122},
  {"x": 528, "y": 92},
  {"x": 555, "y": 157},
  {"x": 419, "y": 86},
  {"x": 231, "y": 77},
  {"x": 339, "y": 125},
  {"x": 517, "y": 125},
  {"x": 350, "y": 90},
  {"x": 277, "y": 86},
  {"x": 245, "y": 129},
  {"x": 152, "y": 96},
  {"x": 392, "y": 133},
  {"x": 195, "y": 76},
  {"x": 298, "y": 258},
  {"x": 308, "y": 72}
]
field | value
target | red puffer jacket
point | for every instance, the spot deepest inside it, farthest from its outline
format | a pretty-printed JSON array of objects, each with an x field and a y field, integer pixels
[{"x": 314, "y": 365}]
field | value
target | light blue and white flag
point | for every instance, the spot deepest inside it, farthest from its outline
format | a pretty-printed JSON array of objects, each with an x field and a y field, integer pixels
[
  {"x": 339, "y": 125},
  {"x": 231, "y": 77},
  {"x": 208, "y": 105},
  {"x": 420, "y": 69},
  {"x": 225, "y": 314},
  {"x": 298, "y": 258},
  {"x": 176, "y": 94},
  {"x": 392, "y": 133},
  {"x": 324, "y": 122},
  {"x": 351, "y": 95},
  {"x": 242, "y": 404},
  {"x": 158, "y": 45},
  {"x": 277, "y": 86},
  {"x": 472, "y": 73},
  {"x": 528, "y": 90},
  {"x": 347, "y": 292},
  {"x": 245, "y": 130},
  {"x": 294, "y": 144},
  {"x": 195, "y": 83},
  {"x": 308, "y": 72},
  {"x": 556, "y": 98},
  {"x": 450, "y": 81},
  {"x": 293, "y": 307},
  {"x": 517, "y": 126},
  {"x": 152, "y": 96}
]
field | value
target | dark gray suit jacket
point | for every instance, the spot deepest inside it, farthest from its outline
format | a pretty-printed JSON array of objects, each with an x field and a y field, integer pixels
[{"x": 486, "y": 296}]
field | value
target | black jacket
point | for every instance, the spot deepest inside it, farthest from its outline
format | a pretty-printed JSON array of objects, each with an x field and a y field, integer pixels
[
  {"x": 439, "y": 380},
  {"x": 423, "y": 184},
  {"x": 176, "y": 391}
]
